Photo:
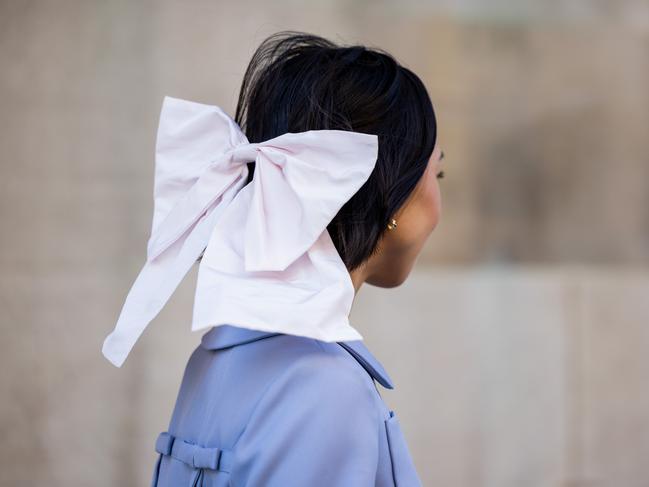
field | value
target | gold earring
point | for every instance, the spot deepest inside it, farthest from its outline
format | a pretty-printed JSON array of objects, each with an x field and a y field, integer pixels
[{"x": 392, "y": 225}]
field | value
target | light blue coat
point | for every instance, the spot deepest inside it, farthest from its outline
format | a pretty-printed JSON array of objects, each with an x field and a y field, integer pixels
[{"x": 264, "y": 409}]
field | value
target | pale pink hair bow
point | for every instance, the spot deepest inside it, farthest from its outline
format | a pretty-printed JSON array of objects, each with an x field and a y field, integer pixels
[{"x": 268, "y": 261}]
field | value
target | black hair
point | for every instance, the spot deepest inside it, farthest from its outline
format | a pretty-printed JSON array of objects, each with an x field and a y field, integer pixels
[{"x": 298, "y": 81}]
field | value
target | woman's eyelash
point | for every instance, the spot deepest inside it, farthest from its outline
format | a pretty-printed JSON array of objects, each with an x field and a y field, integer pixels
[{"x": 440, "y": 175}]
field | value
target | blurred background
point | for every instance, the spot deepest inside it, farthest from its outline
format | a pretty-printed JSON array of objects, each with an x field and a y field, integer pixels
[{"x": 519, "y": 344}]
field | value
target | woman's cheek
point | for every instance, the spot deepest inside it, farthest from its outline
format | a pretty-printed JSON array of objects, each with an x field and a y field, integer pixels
[{"x": 433, "y": 203}]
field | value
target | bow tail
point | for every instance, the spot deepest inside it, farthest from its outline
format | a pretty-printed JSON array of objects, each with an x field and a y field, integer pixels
[
  {"x": 156, "y": 282},
  {"x": 161, "y": 275}
]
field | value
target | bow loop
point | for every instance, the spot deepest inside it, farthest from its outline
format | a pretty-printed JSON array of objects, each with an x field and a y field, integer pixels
[
  {"x": 193, "y": 167},
  {"x": 300, "y": 183}
]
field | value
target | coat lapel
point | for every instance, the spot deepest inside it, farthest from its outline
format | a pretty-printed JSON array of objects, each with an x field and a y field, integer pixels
[{"x": 225, "y": 336}]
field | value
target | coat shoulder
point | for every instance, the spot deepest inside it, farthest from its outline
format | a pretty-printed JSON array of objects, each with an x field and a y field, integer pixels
[{"x": 320, "y": 367}]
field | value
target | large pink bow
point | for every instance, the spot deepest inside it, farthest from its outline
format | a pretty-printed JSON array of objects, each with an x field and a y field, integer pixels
[{"x": 268, "y": 258}]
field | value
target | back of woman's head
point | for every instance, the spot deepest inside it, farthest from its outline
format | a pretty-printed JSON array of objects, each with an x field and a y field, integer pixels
[{"x": 297, "y": 81}]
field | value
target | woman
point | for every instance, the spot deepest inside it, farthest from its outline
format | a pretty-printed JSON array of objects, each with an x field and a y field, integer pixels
[{"x": 263, "y": 404}]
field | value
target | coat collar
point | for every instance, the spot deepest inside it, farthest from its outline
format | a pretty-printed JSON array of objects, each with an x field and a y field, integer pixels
[{"x": 224, "y": 336}]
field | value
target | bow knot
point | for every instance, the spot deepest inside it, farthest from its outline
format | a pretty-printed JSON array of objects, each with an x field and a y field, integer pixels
[
  {"x": 245, "y": 152},
  {"x": 265, "y": 246}
]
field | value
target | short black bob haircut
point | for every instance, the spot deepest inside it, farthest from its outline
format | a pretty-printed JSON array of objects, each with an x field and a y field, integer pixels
[{"x": 298, "y": 81}]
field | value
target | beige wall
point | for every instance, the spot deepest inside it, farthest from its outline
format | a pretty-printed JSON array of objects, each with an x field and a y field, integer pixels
[{"x": 518, "y": 345}]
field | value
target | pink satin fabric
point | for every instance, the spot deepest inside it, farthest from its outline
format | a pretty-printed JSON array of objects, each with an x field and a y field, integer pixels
[{"x": 268, "y": 261}]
